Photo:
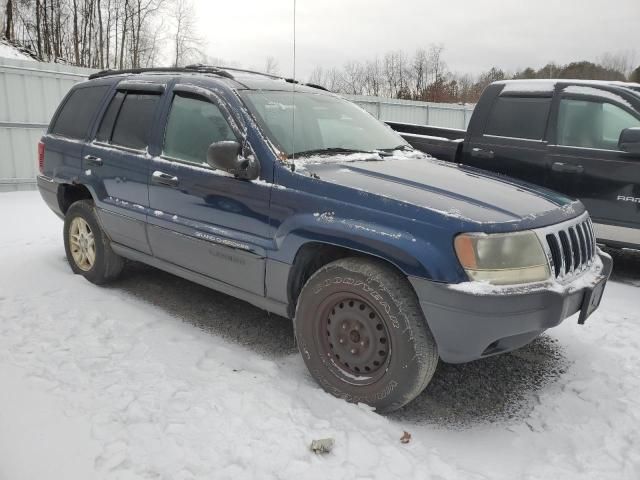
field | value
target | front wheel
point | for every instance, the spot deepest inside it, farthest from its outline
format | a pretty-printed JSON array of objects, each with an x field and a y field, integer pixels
[
  {"x": 87, "y": 247},
  {"x": 362, "y": 334}
]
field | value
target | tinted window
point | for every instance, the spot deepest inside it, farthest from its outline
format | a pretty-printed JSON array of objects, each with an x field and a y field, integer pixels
[
  {"x": 592, "y": 124},
  {"x": 106, "y": 127},
  {"x": 519, "y": 117},
  {"x": 134, "y": 120},
  {"x": 193, "y": 125},
  {"x": 74, "y": 119}
]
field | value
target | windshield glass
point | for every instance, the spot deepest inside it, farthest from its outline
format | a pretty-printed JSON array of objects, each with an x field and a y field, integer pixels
[{"x": 322, "y": 123}]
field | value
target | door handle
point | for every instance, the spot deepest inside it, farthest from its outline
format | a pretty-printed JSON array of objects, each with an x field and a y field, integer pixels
[
  {"x": 161, "y": 178},
  {"x": 480, "y": 153},
  {"x": 566, "y": 167},
  {"x": 93, "y": 161}
]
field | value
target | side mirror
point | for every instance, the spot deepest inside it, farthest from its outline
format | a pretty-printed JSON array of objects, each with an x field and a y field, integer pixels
[
  {"x": 630, "y": 140},
  {"x": 227, "y": 156}
]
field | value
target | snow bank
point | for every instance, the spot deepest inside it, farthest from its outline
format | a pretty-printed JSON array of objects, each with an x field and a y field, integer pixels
[
  {"x": 101, "y": 383},
  {"x": 9, "y": 51}
]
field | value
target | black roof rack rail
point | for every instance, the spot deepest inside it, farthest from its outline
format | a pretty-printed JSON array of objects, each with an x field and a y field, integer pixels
[
  {"x": 244, "y": 70},
  {"x": 315, "y": 85},
  {"x": 200, "y": 68},
  {"x": 255, "y": 72},
  {"x": 187, "y": 69}
]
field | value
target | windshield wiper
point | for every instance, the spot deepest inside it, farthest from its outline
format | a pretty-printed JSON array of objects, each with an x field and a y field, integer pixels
[
  {"x": 319, "y": 151},
  {"x": 403, "y": 147}
]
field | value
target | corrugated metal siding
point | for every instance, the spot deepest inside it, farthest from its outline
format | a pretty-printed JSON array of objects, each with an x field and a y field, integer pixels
[
  {"x": 422, "y": 113},
  {"x": 29, "y": 94}
]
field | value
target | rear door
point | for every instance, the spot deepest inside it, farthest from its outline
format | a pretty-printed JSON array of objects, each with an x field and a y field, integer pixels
[
  {"x": 116, "y": 163},
  {"x": 203, "y": 219},
  {"x": 70, "y": 128},
  {"x": 586, "y": 163},
  {"x": 513, "y": 140}
]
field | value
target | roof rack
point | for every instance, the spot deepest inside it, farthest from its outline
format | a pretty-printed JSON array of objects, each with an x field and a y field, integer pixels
[
  {"x": 200, "y": 68},
  {"x": 269, "y": 75},
  {"x": 188, "y": 69}
]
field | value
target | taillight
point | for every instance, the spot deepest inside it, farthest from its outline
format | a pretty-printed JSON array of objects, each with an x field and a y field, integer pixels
[{"x": 41, "y": 157}]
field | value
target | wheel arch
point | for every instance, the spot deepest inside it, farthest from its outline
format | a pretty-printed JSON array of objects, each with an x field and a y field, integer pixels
[
  {"x": 313, "y": 254},
  {"x": 69, "y": 193}
]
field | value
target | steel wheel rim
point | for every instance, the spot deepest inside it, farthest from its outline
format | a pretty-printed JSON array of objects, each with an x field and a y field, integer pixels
[
  {"x": 353, "y": 339},
  {"x": 82, "y": 244}
]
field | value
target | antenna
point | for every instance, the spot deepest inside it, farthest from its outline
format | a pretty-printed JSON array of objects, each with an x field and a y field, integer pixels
[{"x": 293, "y": 89}]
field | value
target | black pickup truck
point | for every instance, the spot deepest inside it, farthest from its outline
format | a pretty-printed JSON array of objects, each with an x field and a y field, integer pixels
[{"x": 581, "y": 138}]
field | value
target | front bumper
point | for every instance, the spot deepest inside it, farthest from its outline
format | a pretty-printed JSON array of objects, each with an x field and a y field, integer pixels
[{"x": 468, "y": 325}]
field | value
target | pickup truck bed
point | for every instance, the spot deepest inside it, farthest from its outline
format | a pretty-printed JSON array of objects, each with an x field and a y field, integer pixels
[
  {"x": 442, "y": 143},
  {"x": 581, "y": 138}
]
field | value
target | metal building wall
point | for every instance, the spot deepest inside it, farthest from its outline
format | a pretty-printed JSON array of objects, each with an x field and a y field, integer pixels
[
  {"x": 446, "y": 115},
  {"x": 29, "y": 94}
]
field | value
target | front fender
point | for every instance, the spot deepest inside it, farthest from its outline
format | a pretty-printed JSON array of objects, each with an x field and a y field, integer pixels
[{"x": 413, "y": 256}]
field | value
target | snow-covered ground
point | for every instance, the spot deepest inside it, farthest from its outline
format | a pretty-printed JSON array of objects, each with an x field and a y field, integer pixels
[
  {"x": 154, "y": 377},
  {"x": 9, "y": 51}
]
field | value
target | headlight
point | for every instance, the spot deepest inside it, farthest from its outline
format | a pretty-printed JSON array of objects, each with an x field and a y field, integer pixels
[{"x": 503, "y": 258}]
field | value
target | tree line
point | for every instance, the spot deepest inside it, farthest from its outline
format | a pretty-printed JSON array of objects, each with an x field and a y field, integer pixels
[
  {"x": 103, "y": 33},
  {"x": 424, "y": 76}
]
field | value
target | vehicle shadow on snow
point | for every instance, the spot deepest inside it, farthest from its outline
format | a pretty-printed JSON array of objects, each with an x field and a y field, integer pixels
[
  {"x": 492, "y": 389},
  {"x": 211, "y": 311}
]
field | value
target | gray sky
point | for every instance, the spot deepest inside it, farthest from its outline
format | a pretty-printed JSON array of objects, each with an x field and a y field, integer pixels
[{"x": 476, "y": 34}]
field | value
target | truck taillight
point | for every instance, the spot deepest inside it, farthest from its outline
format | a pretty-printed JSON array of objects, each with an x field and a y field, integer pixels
[{"x": 41, "y": 157}]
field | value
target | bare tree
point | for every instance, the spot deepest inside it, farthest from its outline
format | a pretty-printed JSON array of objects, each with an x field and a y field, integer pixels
[
  {"x": 353, "y": 78},
  {"x": 8, "y": 20},
  {"x": 187, "y": 44},
  {"x": 271, "y": 66},
  {"x": 373, "y": 79}
]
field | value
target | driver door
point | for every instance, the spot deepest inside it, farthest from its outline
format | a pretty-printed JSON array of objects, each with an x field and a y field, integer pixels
[
  {"x": 203, "y": 219},
  {"x": 585, "y": 161}
]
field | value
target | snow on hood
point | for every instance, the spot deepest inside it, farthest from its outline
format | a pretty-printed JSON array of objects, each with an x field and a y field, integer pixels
[{"x": 449, "y": 189}]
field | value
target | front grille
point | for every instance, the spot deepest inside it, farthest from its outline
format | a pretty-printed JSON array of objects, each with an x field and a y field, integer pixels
[{"x": 571, "y": 247}]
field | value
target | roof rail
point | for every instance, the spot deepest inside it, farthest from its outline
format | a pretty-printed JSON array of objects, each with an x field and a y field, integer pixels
[
  {"x": 200, "y": 68},
  {"x": 254, "y": 72},
  {"x": 243, "y": 70},
  {"x": 187, "y": 69}
]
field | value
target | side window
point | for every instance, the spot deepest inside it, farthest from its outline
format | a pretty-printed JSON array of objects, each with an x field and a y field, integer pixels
[
  {"x": 192, "y": 126},
  {"x": 109, "y": 119},
  {"x": 519, "y": 117},
  {"x": 76, "y": 114},
  {"x": 132, "y": 122},
  {"x": 592, "y": 124},
  {"x": 615, "y": 119}
]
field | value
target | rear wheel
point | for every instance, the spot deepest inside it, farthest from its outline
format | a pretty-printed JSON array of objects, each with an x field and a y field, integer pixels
[
  {"x": 87, "y": 247},
  {"x": 362, "y": 334}
]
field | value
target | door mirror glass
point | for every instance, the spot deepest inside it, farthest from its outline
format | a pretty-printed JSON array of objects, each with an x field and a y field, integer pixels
[
  {"x": 630, "y": 140},
  {"x": 227, "y": 156}
]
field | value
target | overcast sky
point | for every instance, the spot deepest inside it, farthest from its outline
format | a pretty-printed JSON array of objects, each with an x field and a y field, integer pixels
[{"x": 476, "y": 34}]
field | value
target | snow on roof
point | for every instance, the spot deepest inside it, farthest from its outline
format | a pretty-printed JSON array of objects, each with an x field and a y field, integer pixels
[
  {"x": 8, "y": 50},
  {"x": 530, "y": 86}
]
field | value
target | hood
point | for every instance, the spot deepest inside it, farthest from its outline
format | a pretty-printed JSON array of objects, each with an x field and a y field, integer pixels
[{"x": 452, "y": 190}]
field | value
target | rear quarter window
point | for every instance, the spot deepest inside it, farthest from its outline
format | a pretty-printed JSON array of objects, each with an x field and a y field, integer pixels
[
  {"x": 519, "y": 117},
  {"x": 74, "y": 119}
]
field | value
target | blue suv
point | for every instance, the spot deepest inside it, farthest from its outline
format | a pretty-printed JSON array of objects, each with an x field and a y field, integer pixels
[{"x": 293, "y": 199}]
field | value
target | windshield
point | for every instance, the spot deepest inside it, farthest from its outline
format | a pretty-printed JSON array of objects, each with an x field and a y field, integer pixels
[{"x": 323, "y": 123}]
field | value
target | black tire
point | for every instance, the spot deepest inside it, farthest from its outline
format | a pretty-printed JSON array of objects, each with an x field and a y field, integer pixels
[
  {"x": 395, "y": 353},
  {"x": 107, "y": 264}
]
